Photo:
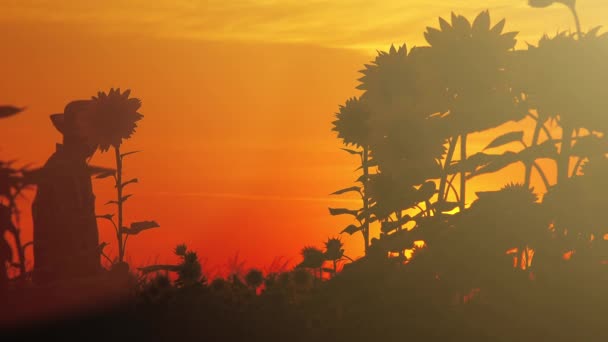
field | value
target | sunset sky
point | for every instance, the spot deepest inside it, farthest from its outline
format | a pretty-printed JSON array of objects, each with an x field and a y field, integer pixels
[{"x": 238, "y": 98}]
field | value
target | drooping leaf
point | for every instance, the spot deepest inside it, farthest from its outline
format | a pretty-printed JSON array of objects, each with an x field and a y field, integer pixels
[
  {"x": 351, "y": 229},
  {"x": 111, "y": 202},
  {"x": 6, "y": 111},
  {"x": 130, "y": 181},
  {"x": 445, "y": 206},
  {"x": 541, "y": 3},
  {"x": 137, "y": 227},
  {"x": 125, "y": 198},
  {"x": 546, "y": 149},
  {"x": 389, "y": 226},
  {"x": 128, "y": 153},
  {"x": 342, "y": 211},
  {"x": 589, "y": 146},
  {"x": 108, "y": 217},
  {"x": 506, "y": 139},
  {"x": 471, "y": 163},
  {"x": 351, "y": 151},
  {"x": 498, "y": 163},
  {"x": 105, "y": 174},
  {"x": 351, "y": 189}
]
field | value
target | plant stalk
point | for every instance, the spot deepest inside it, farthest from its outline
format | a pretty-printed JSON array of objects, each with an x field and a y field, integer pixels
[
  {"x": 365, "y": 228},
  {"x": 448, "y": 160},
  {"x": 119, "y": 189},
  {"x": 463, "y": 176}
]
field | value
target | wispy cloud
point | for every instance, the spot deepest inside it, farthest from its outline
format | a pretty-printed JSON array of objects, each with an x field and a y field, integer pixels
[
  {"x": 337, "y": 23},
  {"x": 254, "y": 197}
]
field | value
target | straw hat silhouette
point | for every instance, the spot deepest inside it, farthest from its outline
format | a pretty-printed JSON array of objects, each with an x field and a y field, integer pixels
[{"x": 73, "y": 120}]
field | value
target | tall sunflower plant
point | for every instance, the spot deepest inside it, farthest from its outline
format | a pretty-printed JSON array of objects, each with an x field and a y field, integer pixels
[{"x": 114, "y": 121}]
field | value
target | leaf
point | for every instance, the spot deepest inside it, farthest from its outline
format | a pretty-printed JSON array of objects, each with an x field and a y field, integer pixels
[
  {"x": 111, "y": 202},
  {"x": 426, "y": 191},
  {"x": 351, "y": 151},
  {"x": 445, "y": 206},
  {"x": 360, "y": 179},
  {"x": 105, "y": 174},
  {"x": 589, "y": 146},
  {"x": 342, "y": 211},
  {"x": 108, "y": 217},
  {"x": 6, "y": 111},
  {"x": 137, "y": 227},
  {"x": 351, "y": 189},
  {"x": 389, "y": 226},
  {"x": 498, "y": 163},
  {"x": 351, "y": 229},
  {"x": 130, "y": 181},
  {"x": 506, "y": 139},
  {"x": 125, "y": 198},
  {"x": 472, "y": 163},
  {"x": 128, "y": 153},
  {"x": 545, "y": 150}
]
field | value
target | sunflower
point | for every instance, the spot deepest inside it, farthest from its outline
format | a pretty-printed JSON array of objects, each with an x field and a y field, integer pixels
[
  {"x": 352, "y": 123},
  {"x": 115, "y": 117},
  {"x": 564, "y": 78},
  {"x": 471, "y": 62},
  {"x": 334, "y": 249}
]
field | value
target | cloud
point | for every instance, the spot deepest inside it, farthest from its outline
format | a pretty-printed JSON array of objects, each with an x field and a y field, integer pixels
[
  {"x": 337, "y": 23},
  {"x": 254, "y": 197}
]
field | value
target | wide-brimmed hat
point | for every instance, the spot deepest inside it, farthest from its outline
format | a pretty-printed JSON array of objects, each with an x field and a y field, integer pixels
[{"x": 69, "y": 122}]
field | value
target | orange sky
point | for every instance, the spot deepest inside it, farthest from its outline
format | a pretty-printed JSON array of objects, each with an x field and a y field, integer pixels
[{"x": 238, "y": 99}]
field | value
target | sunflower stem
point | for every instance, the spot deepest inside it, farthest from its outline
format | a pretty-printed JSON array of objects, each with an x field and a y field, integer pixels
[
  {"x": 463, "y": 174},
  {"x": 528, "y": 175},
  {"x": 119, "y": 200},
  {"x": 365, "y": 228},
  {"x": 448, "y": 160}
]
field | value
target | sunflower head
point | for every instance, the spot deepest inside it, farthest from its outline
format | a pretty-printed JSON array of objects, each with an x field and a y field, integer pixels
[
  {"x": 333, "y": 249},
  {"x": 313, "y": 257},
  {"x": 352, "y": 123},
  {"x": 552, "y": 72},
  {"x": 115, "y": 117}
]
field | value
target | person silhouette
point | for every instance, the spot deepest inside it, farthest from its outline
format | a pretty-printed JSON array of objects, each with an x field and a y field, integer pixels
[{"x": 65, "y": 226}]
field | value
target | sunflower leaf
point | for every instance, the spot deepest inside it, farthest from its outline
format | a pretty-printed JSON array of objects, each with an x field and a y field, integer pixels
[
  {"x": 130, "y": 181},
  {"x": 342, "y": 211},
  {"x": 128, "y": 153},
  {"x": 351, "y": 151},
  {"x": 351, "y": 229},
  {"x": 137, "y": 227},
  {"x": 105, "y": 174},
  {"x": 6, "y": 111},
  {"x": 505, "y": 139},
  {"x": 351, "y": 189},
  {"x": 108, "y": 217}
]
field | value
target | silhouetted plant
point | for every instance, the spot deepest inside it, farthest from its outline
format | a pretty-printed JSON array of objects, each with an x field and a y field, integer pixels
[
  {"x": 353, "y": 127},
  {"x": 114, "y": 120},
  {"x": 472, "y": 62},
  {"x": 189, "y": 271},
  {"x": 254, "y": 279},
  {"x": 313, "y": 258},
  {"x": 12, "y": 183}
]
